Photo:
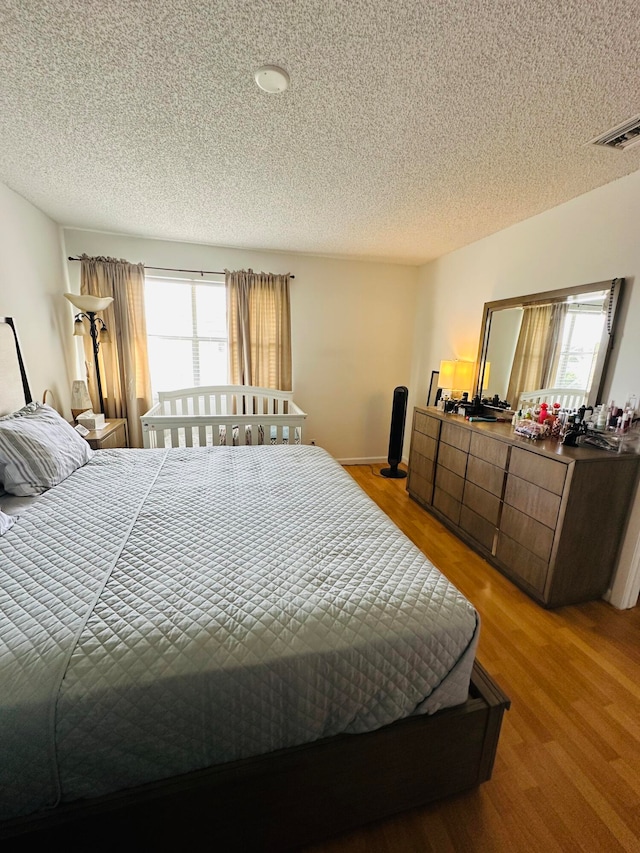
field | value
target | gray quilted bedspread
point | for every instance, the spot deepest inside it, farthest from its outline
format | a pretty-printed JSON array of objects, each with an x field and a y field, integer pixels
[{"x": 167, "y": 610}]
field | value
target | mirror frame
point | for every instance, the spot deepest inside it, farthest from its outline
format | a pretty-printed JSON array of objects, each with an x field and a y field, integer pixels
[{"x": 614, "y": 287}]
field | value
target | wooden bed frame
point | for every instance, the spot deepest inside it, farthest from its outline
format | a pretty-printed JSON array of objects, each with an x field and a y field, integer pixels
[
  {"x": 296, "y": 796},
  {"x": 291, "y": 797},
  {"x": 14, "y": 387}
]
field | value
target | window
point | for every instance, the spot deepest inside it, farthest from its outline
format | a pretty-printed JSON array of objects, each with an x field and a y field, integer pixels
[
  {"x": 187, "y": 333},
  {"x": 581, "y": 333}
]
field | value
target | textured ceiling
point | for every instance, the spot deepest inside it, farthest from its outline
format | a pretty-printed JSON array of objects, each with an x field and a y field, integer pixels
[{"x": 410, "y": 128}]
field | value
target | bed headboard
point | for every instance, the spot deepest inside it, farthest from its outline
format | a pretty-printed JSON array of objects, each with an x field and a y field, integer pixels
[{"x": 14, "y": 386}]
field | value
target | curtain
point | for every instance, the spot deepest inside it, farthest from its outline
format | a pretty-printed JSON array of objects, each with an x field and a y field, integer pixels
[
  {"x": 527, "y": 373},
  {"x": 259, "y": 327},
  {"x": 124, "y": 364},
  {"x": 553, "y": 347}
]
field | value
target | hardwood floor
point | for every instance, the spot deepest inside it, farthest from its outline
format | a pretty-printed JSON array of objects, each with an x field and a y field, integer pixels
[{"x": 567, "y": 774}]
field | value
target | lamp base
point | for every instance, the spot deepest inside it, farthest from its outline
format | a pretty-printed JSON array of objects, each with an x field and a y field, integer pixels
[{"x": 393, "y": 473}]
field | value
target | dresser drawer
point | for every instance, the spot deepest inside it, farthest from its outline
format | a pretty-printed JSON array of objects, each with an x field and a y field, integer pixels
[
  {"x": 538, "y": 470},
  {"x": 419, "y": 487},
  {"x": 447, "y": 505},
  {"x": 481, "y": 502},
  {"x": 449, "y": 482},
  {"x": 533, "y": 501},
  {"x": 453, "y": 459},
  {"x": 489, "y": 449},
  {"x": 456, "y": 436},
  {"x": 478, "y": 528},
  {"x": 485, "y": 475},
  {"x": 522, "y": 563},
  {"x": 424, "y": 445},
  {"x": 427, "y": 425},
  {"x": 421, "y": 466},
  {"x": 533, "y": 535}
]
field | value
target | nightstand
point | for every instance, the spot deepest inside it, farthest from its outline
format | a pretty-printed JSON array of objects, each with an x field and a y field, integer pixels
[{"x": 113, "y": 434}]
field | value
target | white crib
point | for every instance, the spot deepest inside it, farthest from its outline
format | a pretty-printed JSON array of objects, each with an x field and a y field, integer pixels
[
  {"x": 569, "y": 398},
  {"x": 223, "y": 414}
]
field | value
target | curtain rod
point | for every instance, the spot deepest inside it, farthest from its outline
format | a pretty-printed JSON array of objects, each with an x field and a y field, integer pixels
[{"x": 173, "y": 269}]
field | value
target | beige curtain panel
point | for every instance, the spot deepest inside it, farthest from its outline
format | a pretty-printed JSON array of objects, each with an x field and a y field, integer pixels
[
  {"x": 531, "y": 356},
  {"x": 553, "y": 346},
  {"x": 124, "y": 363},
  {"x": 259, "y": 327}
]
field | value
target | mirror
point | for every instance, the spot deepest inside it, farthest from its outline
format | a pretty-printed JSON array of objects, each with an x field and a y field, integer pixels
[{"x": 548, "y": 345}]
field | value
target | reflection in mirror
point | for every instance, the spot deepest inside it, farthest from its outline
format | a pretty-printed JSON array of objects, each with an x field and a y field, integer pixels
[{"x": 551, "y": 346}]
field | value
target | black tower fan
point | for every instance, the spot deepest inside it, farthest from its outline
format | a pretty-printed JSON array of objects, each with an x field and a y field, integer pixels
[{"x": 396, "y": 436}]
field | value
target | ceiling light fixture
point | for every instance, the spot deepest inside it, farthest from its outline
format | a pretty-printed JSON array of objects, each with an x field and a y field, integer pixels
[{"x": 272, "y": 79}]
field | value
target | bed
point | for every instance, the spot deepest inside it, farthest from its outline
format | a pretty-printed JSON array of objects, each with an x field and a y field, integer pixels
[
  {"x": 221, "y": 415},
  {"x": 229, "y": 643}
]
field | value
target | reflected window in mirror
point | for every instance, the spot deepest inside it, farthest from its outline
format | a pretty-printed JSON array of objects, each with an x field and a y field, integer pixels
[{"x": 579, "y": 344}]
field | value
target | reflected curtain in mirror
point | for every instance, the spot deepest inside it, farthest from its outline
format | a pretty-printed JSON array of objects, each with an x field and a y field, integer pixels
[
  {"x": 538, "y": 350},
  {"x": 124, "y": 362},
  {"x": 531, "y": 352},
  {"x": 554, "y": 344}
]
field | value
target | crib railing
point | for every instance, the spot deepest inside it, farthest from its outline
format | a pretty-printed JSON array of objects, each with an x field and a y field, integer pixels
[
  {"x": 222, "y": 415},
  {"x": 569, "y": 398}
]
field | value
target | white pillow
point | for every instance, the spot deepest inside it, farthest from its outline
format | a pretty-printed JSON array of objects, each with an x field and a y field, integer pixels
[
  {"x": 6, "y": 521},
  {"x": 38, "y": 449}
]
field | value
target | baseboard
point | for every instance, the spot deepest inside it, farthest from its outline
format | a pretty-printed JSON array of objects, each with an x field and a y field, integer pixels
[
  {"x": 368, "y": 460},
  {"x": 363, "y": 460}
]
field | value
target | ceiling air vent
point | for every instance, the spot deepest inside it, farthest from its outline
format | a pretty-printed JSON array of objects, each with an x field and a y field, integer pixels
[{"x": 623, "y": 136}]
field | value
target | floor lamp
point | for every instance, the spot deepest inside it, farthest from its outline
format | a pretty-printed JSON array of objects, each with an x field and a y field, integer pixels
[{"x": 89, "y": 307}]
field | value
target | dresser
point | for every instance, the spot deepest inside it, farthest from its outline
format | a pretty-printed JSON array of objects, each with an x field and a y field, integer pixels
[{"x": 549, "y": 517}]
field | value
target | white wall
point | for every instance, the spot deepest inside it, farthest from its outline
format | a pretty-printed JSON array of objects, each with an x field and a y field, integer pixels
[
  {"x": 591, "y": 238},
  {"x": 32, "y": 281},
  {"x": 352, "y": 326}
]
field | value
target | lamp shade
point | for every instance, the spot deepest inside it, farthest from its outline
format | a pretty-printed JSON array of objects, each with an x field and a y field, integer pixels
[
  {"x": 79, "y": 327},
  {"x": 89, "y": 303},
  {"x": 447, "y": 373},
  {"x": 80, "y": 399},
  {"x": 456, "y": 375}
]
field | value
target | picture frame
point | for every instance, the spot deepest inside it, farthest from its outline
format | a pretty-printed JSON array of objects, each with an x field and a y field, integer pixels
[{"x": 434, "y": 391}]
